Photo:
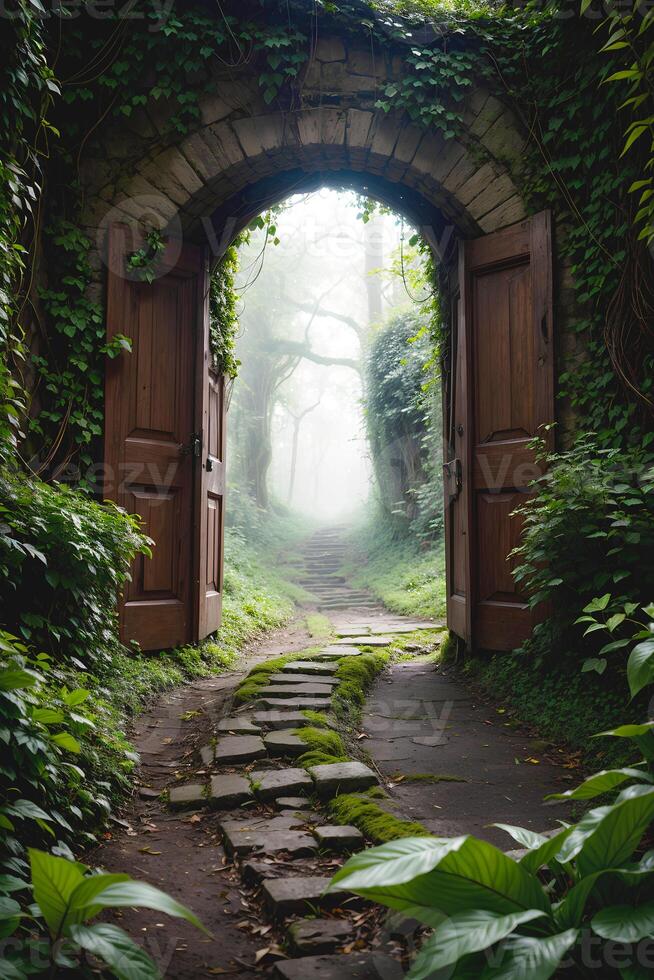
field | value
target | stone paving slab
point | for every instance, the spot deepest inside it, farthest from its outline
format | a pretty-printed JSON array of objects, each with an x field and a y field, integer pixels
[
  {"x": 228, "y": 791},
  {"x": 253, "y": 872},
  {"x": 242, "y": 841},
  {"x": 314, "y": 690},
  {"x": 340, "y": 966},
  {"x": 342, "y": 777},
  {"x": 281, "y": 719},
  {"x": 338, "y": 649},
  {"x": 298, "y": 678},
  {"x": 281, "y": 704},
  {"x": 285, "y": 743},
  {"x": 208, "y": 754},
  {"x": 238, "y": 726},
  {"x": 268, "y": 784},
  {"x": 187, "y": 797},
  {"x": 291, "y": 802},
  {"x": 339, "y": 839},
  {"x": 368, "y": 641},
  {"x": 293, "y": 895},
  {"x": 235, "y": 749},
  {"x": 319, "y": 935},
  {"x": 307, "y": 667}
]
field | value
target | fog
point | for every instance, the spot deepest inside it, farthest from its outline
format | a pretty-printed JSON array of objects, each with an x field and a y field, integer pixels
[{"x": 311, "y": 289}]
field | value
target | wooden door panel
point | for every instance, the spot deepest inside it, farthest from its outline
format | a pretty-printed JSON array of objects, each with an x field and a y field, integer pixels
[
  {"x": 503, "y": 371},
  {"x": 149, "y": 419}
]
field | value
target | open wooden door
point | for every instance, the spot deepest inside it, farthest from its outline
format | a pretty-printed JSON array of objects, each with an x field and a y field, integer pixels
[
  {"x": 499, "y": 395},
  {"x": 159, "y": 429},
  {"x": 210, "y": 487}
]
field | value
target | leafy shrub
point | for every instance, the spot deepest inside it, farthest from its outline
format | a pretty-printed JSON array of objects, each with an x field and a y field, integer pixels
[
  {"x": 587, "y": 886},
  {"x": 56, "y": 929},
  {"x": 44, "y": 794},
  {"x": 63, "y": 561},
  {"x": 588, "y": 527}
]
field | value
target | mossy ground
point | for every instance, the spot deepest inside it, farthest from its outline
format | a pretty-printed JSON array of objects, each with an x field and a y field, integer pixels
[{"x": 361, "y": 811}]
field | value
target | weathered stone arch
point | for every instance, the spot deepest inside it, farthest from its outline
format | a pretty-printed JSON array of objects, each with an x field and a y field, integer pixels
[{"x": 334, "y": 132}]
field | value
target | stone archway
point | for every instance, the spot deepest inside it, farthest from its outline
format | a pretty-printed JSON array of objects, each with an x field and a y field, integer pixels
[
  {"x": 335, "y": 129},
  {"x": 206, "y": 185}
]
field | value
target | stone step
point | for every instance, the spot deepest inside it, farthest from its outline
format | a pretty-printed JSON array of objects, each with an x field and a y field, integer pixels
[
  {"x": 298, "y": 703},
  {"x": 268, "y": 784},
  {"x": 298, "y": 678},
  {"x": 276, "y": 720},
  {"x": 340, "y": 966},
  {"x": 285, "y": 744},
  {"x": 238, "y": 726},
  {"x": 342, "y": 777},
  {"x": 294, "y": 895},
  {"x": 228, "y": 791},
  {"x": 192, "y": 796},
  {"x": 311, "y": 690},
  {"x": 239, "y": 749},
  {"x": 369, "y": 641},
  {"x": 339, "y": 839},
  {"x": 336, "y": 650},
  {"x": 241, "y": 839},
  {"x": 292, "y": 802},
  {"x": 313, "y": 936},
  {"x": 308, "y": 667}
]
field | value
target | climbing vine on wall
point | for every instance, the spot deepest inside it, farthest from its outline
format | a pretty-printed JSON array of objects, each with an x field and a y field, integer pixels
[
  {"x": 27, "y": 86},
  {"x": 572, "y": 162}
]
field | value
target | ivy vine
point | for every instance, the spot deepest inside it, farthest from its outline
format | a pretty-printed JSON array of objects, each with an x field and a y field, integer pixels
[{"x": 572, "y": 163}]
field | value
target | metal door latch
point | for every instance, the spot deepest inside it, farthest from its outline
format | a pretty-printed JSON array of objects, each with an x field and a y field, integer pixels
[{"x": 193, "y": 447}]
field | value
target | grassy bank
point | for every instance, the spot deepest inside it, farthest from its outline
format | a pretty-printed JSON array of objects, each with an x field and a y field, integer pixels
[{"x": 407, "y": 575}]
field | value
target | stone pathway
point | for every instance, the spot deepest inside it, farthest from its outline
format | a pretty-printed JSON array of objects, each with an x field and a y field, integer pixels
[
  {"x": 241, "y": 832},
  {"x": 271, "y": 815}
]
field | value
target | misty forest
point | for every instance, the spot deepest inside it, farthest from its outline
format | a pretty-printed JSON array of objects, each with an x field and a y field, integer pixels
[{"x": 327, "y": 489}]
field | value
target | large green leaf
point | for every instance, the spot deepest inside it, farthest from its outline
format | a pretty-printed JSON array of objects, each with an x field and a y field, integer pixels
[
  {"x": 54, "y": 880},
  {"x": 602, "y": 782},
  {"x": 465, "y": 933},
  {"x": 142, "y": 895},
  {"x": 127, "y": 960},
  {"x": 526, "y": 838},
  {"x": 11, "y": 971},
  {"x": 471, "y": 875},
  {"x": 529, "y": 958},
  {"x": 608, "y": 835},
  {"x": 570, "y": 911},
  {"x": 541, "y": 849},
  {"x": 640, "y": 666},
  {"x": 628, "y": 731},
  {"x": 546, "y": 853},
  {"x": 15, "y": 678},
  {"x": 394, "y": 863},
  {"x": 81, "y": 905},
  {"x": 625, "y": 923}
]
